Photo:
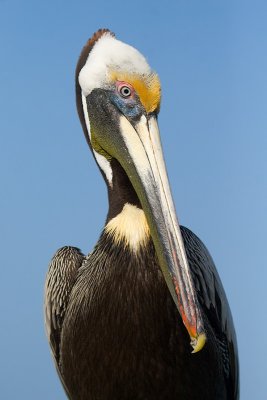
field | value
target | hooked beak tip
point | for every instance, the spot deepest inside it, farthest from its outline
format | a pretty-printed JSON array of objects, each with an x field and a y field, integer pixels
[{"x": 198, "y": 342}]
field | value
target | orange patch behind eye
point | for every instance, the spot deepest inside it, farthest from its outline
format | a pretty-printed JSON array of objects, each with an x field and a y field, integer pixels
[{"x": 147, "y": 87}]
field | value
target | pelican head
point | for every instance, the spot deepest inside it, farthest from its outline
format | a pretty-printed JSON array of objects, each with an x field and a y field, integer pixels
[{"x": 118, "y": 100}]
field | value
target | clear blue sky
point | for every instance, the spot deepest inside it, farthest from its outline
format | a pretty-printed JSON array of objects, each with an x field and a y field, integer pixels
[{"x": 212, "y": 60}]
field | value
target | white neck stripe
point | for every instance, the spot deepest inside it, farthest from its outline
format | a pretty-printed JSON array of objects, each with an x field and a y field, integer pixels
[{"x": 103, "y": 163}]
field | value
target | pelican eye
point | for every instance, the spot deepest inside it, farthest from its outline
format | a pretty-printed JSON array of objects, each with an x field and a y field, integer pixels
[{"x": 124, "y": 90}]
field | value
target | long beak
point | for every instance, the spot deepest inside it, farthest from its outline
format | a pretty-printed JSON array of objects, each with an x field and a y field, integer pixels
[
  {"x": 137, "y": 147},
  {"x": 152, "y": 187}
]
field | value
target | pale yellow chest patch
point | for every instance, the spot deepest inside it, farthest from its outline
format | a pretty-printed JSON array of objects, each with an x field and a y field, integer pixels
[{"x": 129, "y": 227}]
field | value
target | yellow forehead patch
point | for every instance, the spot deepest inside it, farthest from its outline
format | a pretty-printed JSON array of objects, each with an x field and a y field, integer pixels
[{"x": 146, "y": 86}]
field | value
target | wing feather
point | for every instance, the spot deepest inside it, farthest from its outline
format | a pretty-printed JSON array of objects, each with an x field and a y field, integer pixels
[
  {"x": 212, "y": 299},
  {"x": 60, "y": 279}
]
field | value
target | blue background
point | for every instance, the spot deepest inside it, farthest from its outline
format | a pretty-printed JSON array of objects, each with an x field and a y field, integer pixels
[{"x": 212, "y": 61}]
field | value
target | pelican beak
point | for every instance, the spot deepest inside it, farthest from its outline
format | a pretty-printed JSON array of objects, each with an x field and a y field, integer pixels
[{"x": 136, "y": 145}]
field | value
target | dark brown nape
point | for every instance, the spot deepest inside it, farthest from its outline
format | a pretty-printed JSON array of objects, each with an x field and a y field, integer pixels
[
  {"x": 121, "y": 192},
  {"x": 81, "y": 62}
]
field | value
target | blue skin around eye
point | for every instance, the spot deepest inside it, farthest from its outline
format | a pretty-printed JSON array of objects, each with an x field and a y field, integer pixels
[{"x": 129, "y": 107}]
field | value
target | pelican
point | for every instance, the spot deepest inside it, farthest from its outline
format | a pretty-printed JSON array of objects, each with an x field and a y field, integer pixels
[{"x": 143, "y": 316}]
